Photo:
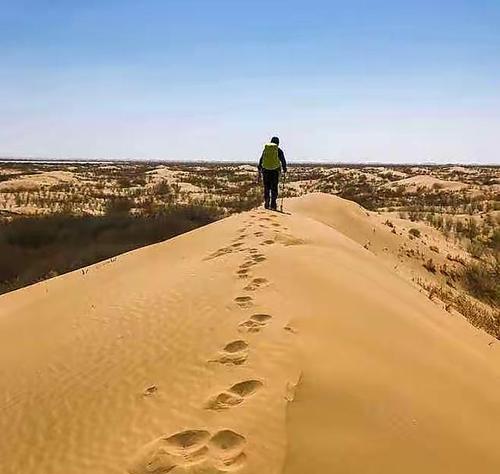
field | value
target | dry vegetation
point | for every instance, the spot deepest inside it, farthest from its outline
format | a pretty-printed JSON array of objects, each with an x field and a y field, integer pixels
[
  {"x": 80, "y": 189},
  {"x": 56, "y": 217}
]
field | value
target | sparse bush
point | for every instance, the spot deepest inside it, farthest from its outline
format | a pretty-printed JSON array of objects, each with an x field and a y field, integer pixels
[
  {"x": 494, "y": 240},
  {"x": 124, "y": 182},
  {"x": 430, "y": 266},
  {"x": 479, "y": 315},
  {"x": 414, "y": 232},
  {"x": 472, "y": 229},
  {"x": 482, "y": 279},
  {"x": 118, "y": 206},
  {"x": 163, "y": 188},
  {"x": 476, "y": 249}
]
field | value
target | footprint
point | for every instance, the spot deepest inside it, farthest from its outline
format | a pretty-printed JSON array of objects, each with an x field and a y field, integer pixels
[
  {"x": 255, "y": 323},
  {"x": 258, "y": 258},
  {"x": 260, "y": 317},
  {"x": 275, "y": 224},
  {"x": 235, "y": 346},
  {"x": 189, "y": 440},
  {"x": 256, "y": 255},
  {"x": 244, "y": 301},
  {"x": 235, "y": 395},
  {"x": 226, "y": 449},
  {"x": 288, "y": 240},
  {"x": 183, "y": 449},
  {"x": 235, "y": 352},
  {"x": 219, "y": 253},
  {"x": 237, "y": 244},
  {"x": 268, "y": 242},
  {"x": 258, "y": 234},
  {"x": 243, "y": 273},
  {"x": 290, "y": 329},
  {"x": 248, "y": 264},
  {"x": 223, "y": 401},
  {"x": 147, "y": 392},
  {"x": 246, "y": 388},
  {"x": 255, "y": 284}
]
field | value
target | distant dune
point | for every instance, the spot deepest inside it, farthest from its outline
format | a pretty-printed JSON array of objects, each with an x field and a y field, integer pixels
[
  {"x": 263, "y": 343},
  {"x": 428, "y": 182},
  {"x": 36, "y": 181}
]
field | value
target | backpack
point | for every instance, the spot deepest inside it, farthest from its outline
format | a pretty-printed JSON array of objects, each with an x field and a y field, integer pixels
[{"x": 270, "y": 158}]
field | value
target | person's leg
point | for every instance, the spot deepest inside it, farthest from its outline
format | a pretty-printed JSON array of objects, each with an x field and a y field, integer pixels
[
  {"x": 274, "y": 188},
  {"x": 267, "y": 187}
]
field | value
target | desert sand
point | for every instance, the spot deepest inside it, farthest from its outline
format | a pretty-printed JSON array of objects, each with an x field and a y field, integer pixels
[{"x": 262, "y": 343}]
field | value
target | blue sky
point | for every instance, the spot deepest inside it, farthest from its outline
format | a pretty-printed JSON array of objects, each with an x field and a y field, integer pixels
[{"x": 390, "y": 81}]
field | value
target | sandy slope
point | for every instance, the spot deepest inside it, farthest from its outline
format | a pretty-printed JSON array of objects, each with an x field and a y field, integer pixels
[
  {"x": 393, "y": 245},
  {"x": 264, "y": 343}
]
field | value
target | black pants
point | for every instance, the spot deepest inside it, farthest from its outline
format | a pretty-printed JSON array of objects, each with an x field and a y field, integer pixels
[{"x": 271, "y": 179}]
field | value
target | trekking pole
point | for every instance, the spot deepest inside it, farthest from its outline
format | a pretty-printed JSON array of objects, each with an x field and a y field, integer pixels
[{"x": 282, "y": 191}]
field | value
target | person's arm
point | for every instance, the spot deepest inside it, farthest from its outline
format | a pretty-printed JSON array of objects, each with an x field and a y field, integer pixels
[
  {"x": 259, "y": 168},
  {"x": 260, "y": 162},
  {"x": 281, "y": 156}
]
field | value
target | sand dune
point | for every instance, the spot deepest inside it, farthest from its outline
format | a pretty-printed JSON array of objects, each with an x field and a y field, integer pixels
[
  {"x": 36, "y": 181},
  {"x": 427, "y": 182},
  {"x": 390, "y": 244},
  {"x": 263, "y": 343}
]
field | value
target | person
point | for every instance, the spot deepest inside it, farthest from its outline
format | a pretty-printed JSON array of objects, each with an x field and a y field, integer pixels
[{"x": 271, "y": 163}]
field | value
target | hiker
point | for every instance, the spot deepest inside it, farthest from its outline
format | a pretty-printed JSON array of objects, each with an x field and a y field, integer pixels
[{"x": 271, "y": 163}]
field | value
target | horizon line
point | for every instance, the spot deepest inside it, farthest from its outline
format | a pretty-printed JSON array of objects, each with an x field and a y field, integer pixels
[{"x": 48, "y": 160}]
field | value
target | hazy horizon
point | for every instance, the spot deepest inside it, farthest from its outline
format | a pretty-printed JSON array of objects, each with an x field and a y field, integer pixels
[
  {"x": 412, "y": 82},
  {"x": 291, "y": 162}
]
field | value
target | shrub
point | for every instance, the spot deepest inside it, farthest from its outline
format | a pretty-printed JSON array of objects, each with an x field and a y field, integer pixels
[
  {"x": 494, "y": 240},
  {"x": 163, "y": 189},
  {"x": 414, "y": 232},
  {"x": 482, "y": 279},
  {"x": 430, "y": 266},
  {"x": 119, "y": 206},
  {"x": 476, "y": 249},
  {"x": 124, "y": 182}
]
